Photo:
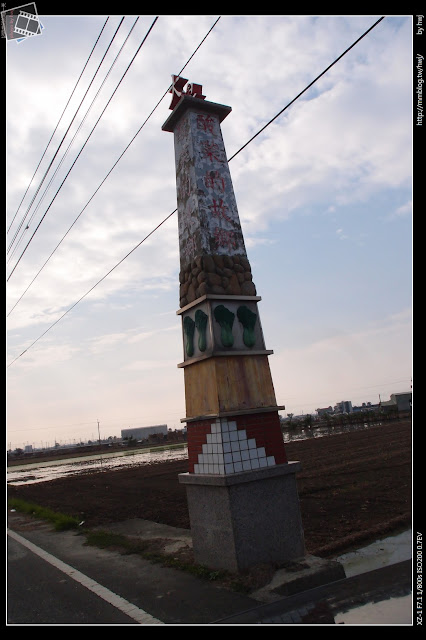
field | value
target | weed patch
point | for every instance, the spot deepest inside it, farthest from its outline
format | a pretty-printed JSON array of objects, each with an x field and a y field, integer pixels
[
  {"x": 149, "y": 550},
  {"x": 60, "y": 521}
]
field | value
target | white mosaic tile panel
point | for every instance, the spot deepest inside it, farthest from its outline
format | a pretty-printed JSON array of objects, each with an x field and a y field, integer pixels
[{"x": 228, "y": 450}]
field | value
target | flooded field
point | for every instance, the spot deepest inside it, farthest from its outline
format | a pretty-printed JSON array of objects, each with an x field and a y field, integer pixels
[
  {"x": 388, "y": 612},
  {"x": 292, "y": 434},
  {"x": 382, "y": 553},
  {"x": 44, "y": 471}
]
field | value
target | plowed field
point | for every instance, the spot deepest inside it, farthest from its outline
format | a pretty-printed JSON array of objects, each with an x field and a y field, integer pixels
[{"x": 353, "y": 488}]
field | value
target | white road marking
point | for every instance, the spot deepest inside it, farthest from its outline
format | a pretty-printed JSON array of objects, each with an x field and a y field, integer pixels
[{"x": 131, "y": 610}]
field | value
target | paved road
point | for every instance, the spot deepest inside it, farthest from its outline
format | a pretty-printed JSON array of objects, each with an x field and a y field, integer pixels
[
  {"x": 41, "y": 593},
  {"x": 54, "y": 579}
]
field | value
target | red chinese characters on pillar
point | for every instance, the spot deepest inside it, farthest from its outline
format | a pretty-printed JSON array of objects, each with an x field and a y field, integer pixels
[
  {"x": 214, "y": 180},
  {"x": 218, "y": 209},
  {"x": 205, "y": 123},
  {"x": 212, "y": 151},
  {"x": 225, "y": 238}
]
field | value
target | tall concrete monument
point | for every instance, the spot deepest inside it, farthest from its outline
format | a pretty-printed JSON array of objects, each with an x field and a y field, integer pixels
[{"x": 241, "y": 489}]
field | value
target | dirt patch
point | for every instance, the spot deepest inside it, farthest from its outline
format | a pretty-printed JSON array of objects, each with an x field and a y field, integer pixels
[{"x": 353, "y": 488}]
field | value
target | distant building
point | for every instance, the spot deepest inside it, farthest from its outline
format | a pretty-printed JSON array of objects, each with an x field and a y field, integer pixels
[
  {"x": 142, "y": 433},
  {"x": 402, "y": 401},
  {"x": 323, "y": 412},
  {"x": 28, "y": 448},
  {"x": 343, "y": 407},
  {"x": 366, "y": 406}
]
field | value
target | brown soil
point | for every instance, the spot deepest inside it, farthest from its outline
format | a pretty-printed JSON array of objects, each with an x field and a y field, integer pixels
[{"x": 353, "y": 488}]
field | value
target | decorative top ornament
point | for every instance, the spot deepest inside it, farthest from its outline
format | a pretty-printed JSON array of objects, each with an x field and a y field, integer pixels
[{"x": 194, "y": 90}]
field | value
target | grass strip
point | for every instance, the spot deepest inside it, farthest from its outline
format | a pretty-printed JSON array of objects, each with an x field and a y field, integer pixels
[
  {"x": 108, "y": 540},
  {"x": 60, "y": 521},
  {"x": 147, "y": 549}
]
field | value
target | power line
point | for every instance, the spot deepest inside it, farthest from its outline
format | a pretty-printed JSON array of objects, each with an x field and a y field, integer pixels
[
  {"x": 307, "y": 87},
  {"x": 112, "y": 168},
  {"x": 94, "y": 286},
  {"x": 69, "y": 99},
  {"x": 78, "y": 129},
  {"x": 174, "y": 211},
  {"x": 66, "y": 133},
  {"x": 69, "y": 171}
]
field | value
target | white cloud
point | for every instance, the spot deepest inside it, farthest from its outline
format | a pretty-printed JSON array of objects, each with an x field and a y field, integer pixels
[
  {"x": 47, "y": 356},
  {"x": 402, "y": 211}
]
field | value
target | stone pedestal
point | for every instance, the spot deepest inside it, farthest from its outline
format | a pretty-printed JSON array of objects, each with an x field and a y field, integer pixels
[{"x": 245, "y": 519}]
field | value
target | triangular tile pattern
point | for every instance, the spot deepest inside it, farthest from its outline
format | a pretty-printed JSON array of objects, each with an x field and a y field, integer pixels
[{"x": 228, "y": 450}]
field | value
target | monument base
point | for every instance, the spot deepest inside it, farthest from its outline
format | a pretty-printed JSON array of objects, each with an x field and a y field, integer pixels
[{"x": 245, "y": 519}]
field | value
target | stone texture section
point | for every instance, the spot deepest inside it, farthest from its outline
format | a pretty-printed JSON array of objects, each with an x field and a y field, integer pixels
[
  {"x": 246, "y": 519},
  {"x": 216, "y": 274},
  {"x": 213, "y": 257},
  {"x": 208, "y": 217},
  {"x": 258, "y": 443}
]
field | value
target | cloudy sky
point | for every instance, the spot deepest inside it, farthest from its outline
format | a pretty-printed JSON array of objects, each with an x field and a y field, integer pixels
[{"x": 324, "y": 195}]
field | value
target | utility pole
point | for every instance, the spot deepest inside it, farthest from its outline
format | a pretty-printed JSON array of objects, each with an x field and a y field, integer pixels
[{"x": 100, "y": 446}]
